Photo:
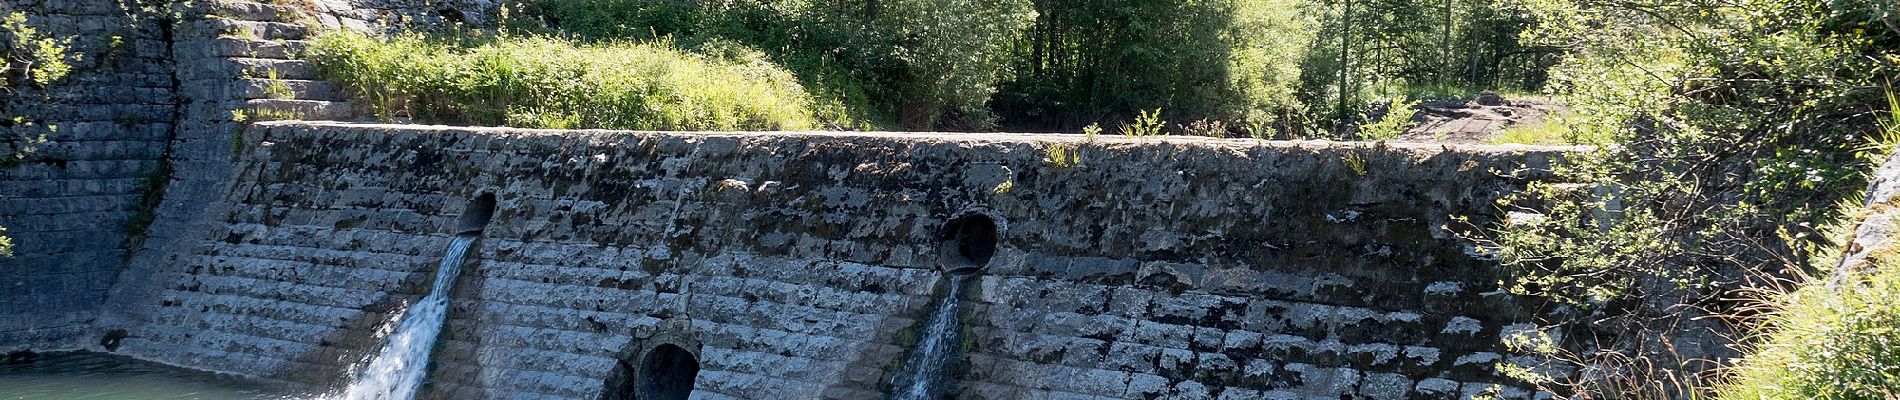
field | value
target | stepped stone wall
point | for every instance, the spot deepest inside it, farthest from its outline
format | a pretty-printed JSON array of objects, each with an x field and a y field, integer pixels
[
  {"x": 69, "y": 202},
  {"x": 801, "y": 265},
  {"x": 149, "y": 113},
  {"x": 791, "y": 265}
]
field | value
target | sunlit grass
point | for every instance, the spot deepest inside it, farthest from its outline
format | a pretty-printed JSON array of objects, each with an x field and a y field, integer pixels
[
  {"x": 1830, "y": 342},
  {"x": 1544, "y": 133},
  {"x": 542, "y": 82}
]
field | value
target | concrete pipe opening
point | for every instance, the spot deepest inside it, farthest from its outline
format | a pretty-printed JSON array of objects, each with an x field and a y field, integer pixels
[
  {"x": 475, "y": 216},
  {"x": 666, "y": 370},
  {"x": 666, "y": 373},
  {"x": 969, "y": 243}
]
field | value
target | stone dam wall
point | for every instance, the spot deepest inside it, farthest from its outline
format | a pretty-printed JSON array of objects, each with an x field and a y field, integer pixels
[
  {"x": 801, "y": 265},
  {"x": 69, "y": 203},
  {"x": 145, "y": 114}
]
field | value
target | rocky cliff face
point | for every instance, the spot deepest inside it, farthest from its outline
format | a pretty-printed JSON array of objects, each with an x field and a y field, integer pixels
[{"x": 802, "y": 265}]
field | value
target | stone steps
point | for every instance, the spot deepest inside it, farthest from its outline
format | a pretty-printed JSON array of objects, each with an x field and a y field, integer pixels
[
  {"x": 286, "y": 89},
  {"x": 263, "y": 43},
  {"x": 309, "y": 110},
  {"x": 240, "y": 29},
  {"x": 252, "y": 11},
  {"x": 269, "y": 68},
  {"x": 257, "y": 48}
]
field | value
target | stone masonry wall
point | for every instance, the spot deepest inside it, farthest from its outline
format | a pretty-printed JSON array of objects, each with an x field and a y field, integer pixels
[
  {"x": 150, "y": 113},
  {"x": 69, "y": 203},
  {"x": 800, "y": 265}
]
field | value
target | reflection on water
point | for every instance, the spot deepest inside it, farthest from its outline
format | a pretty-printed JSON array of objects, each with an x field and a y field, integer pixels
[{"x": 93, "y": 376}]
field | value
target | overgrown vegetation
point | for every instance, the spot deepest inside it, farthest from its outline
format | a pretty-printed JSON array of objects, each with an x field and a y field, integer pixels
[
  {"x": 1731, "y": 129},
  {"x": 1273, "y": 68},
  {"x": 1830, "y": 341},
  {"x": 914, "y": 64},
  {"x": 544, "y": 82}
]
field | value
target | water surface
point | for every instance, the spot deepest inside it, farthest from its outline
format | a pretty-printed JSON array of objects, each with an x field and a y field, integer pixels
[{"x": 94, "y": 376}]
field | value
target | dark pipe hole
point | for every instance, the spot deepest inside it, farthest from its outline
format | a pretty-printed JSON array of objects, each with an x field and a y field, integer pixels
[
  {"x": 476, "y": 215},
  {"x": 972, "y": 240},
  {"x": 667, "y": 373}
]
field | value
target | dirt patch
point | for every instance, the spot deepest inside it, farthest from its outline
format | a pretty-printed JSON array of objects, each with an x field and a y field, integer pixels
[{"x": 1474, "y": 121}]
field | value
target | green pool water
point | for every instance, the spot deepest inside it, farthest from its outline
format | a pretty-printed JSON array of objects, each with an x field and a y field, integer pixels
[{"x": 93, "y": 376}]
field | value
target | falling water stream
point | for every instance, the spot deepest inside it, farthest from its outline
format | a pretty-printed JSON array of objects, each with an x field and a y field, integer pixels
[
  {"x": 397, "y": 370},
  {"x": 923, "y": 375}
]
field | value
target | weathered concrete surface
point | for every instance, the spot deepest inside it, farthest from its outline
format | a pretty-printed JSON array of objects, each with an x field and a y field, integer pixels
[{"x": 799, "y": 265}]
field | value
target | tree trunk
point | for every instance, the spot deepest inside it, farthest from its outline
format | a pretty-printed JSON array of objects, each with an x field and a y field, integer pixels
[{"x": 1345, "y": 58}]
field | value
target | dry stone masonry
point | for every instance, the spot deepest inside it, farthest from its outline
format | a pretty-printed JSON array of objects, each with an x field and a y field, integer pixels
[{"x": 800, "y": 265}]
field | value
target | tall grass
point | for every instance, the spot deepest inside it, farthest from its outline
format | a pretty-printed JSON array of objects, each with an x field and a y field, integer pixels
[
  {"x": 1830, "y": 342},
  {"x": 542, "y": 82},
  {"x": 1835, "y": 339}
]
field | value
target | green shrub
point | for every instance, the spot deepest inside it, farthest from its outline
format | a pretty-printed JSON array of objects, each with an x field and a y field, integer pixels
[
  {"x": 543, "y": 82},
  {"x": 6, "y": 244},
  {"x": 1396, "y": 121},
  {"x": 926, "y": 63},
  {"x": 1147, "y": 123}
]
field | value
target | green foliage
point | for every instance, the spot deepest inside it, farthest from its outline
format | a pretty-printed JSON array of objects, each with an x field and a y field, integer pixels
[
  {"x": 151, "y": 192},
  {"x": 1355, "y": 162},
  {"x": 916, "y": 61},
  {"x": 1397, "y": 119},
  {"x": 1830, "y": 341},
  {"x": 32, "y": 57},
  {"x": 1730, "y": 127},
  {"x": 1202, "y": 59},
  {"x": 1366, "y": 51},
  {"x": 1062, "y": 155},
  {"x": 1061, "y": 64},
  {"x": 1147, "y": 123},
  {"x": 1833, "y": 339},
  {"x": 6, "y": 243},
  {"x": 22, "y": 137},
  {"x": 543, "y": 82}
]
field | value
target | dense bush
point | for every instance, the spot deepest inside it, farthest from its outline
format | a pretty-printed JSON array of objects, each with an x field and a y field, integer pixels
[
  {"x": 543, "y": 82},
  {"x": 1732, "y": 129},
  {"x": 1084, "y": 61},
  {"x": 914, "y": 62}
]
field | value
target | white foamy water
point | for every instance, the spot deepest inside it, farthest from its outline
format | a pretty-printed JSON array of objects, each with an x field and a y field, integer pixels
[
  {"x": 923, "y": 371},
  {"x": 397, "y": 370}
]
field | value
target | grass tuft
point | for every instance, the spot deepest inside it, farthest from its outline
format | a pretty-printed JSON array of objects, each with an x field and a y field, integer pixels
[{"x": 543, "y": 82}]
